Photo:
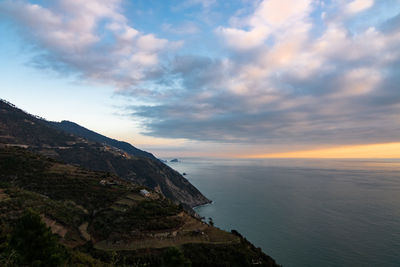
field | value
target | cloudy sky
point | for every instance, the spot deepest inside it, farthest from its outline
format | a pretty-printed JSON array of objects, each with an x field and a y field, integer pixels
[{"x": 209, "y": 77}]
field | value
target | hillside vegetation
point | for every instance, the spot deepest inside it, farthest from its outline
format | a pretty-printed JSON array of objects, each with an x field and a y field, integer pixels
[
  {"x": 20, "y": 129},
  {"x": 77, "y": 130},
  {"x": 102, "y": 220}
]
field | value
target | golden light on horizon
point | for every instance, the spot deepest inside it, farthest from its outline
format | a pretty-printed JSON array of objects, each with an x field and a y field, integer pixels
[{"x": 386, "y": 150}]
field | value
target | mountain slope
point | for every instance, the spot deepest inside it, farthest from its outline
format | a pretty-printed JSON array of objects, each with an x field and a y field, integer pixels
[
  {"x": 105, "y": 220},
  {"x": 77, "y": 130},
  {"x": 18, "y": 128}
]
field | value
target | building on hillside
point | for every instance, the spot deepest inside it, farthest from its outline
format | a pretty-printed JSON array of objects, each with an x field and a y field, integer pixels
[{"x": 145, "y": 193}]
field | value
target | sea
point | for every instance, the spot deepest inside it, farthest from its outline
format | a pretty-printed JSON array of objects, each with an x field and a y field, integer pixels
[{"x": 305, "y": 212}]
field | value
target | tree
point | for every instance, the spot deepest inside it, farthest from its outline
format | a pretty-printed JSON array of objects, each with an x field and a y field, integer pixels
[
  {"x": 34, "y": 244},
  {"x": 173, "y": 257}
]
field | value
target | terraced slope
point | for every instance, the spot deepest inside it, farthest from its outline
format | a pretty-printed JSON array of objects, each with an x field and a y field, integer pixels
[
  {"x": 20, "y": 129},
  {"x": 108, "y": 220}
]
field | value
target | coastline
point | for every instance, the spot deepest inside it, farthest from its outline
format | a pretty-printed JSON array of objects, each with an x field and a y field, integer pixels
[{"x": 202, "y": 205}]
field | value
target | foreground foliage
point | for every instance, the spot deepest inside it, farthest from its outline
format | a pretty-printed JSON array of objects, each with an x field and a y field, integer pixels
[{"x": 32, "y": 243}]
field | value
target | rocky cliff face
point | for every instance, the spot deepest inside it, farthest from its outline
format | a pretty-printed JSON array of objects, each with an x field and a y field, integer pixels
[
  {"x": 151, "y": 173},
  {"x": 18, "y": 128}
]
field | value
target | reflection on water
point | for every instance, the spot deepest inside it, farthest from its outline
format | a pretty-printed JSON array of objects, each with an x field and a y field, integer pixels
[{"x": 306, "y": 212}]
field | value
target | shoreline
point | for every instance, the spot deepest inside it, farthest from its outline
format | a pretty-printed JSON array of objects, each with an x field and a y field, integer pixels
[{"x": 202, "y": 205}]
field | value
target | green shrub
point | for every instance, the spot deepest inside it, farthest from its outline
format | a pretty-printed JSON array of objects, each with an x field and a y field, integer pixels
[
  {"x": 33, "y": 244},
  {"x": 173, "y": 257}
]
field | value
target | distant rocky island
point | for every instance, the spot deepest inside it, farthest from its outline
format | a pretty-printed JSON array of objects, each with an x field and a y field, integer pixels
[
  {"x": 174, "y": 160},
  {"x": 84, "y": 199}
]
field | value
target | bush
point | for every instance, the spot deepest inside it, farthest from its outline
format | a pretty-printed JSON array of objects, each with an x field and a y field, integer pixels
[
  {"x": 33, "y": 244},
  {"x": 173, "y": 257}
]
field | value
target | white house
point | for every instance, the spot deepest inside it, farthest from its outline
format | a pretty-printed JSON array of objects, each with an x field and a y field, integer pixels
[{"x": 145, "y": 193}]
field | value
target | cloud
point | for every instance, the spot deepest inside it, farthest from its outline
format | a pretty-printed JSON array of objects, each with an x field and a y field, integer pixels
[
  {"x": 290, "y": 71},
  {"x": 243, "y": 40},
  {"x": 279, "y": 12},
  {"x": 288, "y": 79},
  {"x": 357, "y": 6},
  {"x": 92, "y": 38},
  {"x": 270, "y": 18}
]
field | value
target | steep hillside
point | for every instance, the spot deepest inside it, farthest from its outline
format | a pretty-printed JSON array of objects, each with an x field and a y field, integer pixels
[
  {"x": 77, "y": 130},
  {"x": 20, "y": 129},
  {"x": 102, "y": 220}
]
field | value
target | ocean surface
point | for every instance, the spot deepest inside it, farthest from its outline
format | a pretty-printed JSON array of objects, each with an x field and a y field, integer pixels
[{"x": 306, "y": 212}]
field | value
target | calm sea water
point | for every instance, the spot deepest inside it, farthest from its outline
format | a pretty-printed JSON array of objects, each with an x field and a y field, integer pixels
[{"x": 306, "y": 212}]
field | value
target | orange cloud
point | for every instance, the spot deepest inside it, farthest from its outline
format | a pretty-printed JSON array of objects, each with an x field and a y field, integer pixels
[{"x": 387, "y": 150}]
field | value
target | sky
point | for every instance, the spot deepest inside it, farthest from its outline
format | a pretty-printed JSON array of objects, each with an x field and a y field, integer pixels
[{"x": 240, "y": 78}]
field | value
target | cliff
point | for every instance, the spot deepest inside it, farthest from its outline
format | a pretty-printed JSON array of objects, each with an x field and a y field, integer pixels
[{"x": 87, "y": 149}]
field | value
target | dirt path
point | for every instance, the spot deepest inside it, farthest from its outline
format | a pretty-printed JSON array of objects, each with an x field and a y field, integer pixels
[
  {"x": 83, "y": 231},
  {"x": 55, "y": 227},
  {"x": 193, "y": 231}
]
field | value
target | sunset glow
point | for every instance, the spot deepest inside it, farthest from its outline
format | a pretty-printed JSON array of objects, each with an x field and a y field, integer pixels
[
  {"x": 390, "y": 150},
  {"x": 208, "y": 78}
]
